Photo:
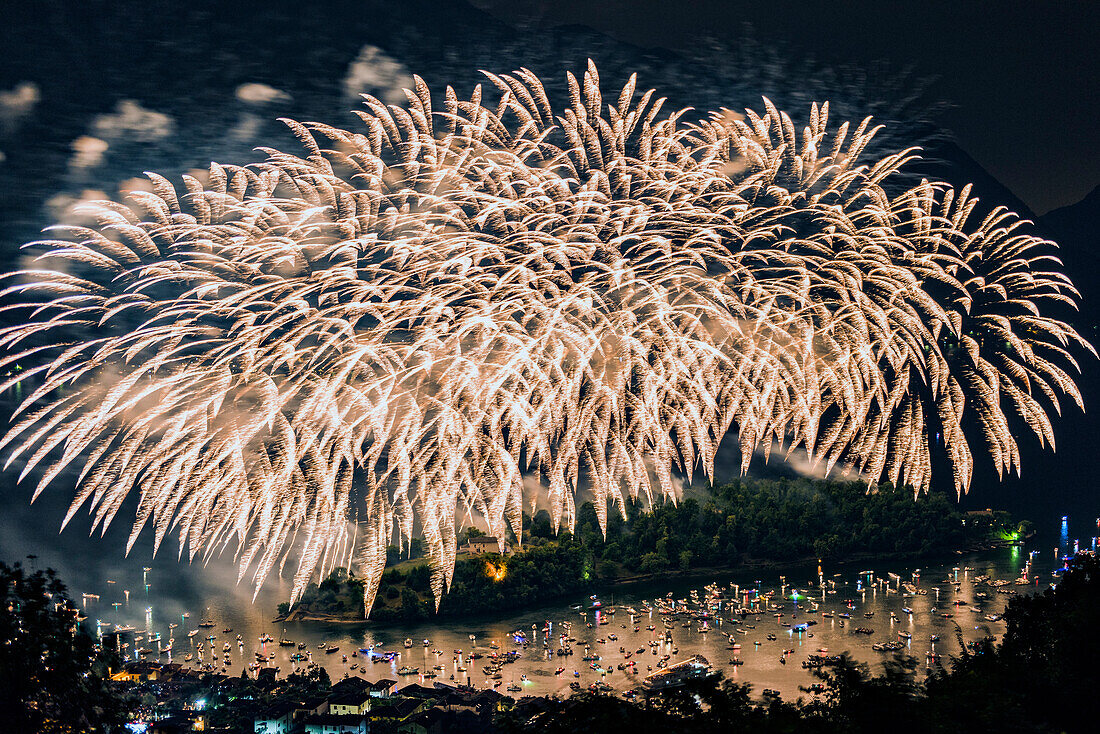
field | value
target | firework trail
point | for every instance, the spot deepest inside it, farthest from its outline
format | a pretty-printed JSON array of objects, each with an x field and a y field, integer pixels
[{"x": 404, "y": 324}]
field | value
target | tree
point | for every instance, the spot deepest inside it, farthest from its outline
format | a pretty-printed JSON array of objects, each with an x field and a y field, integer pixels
[
  {"x": 48, "y": 678},
  {"x": 417, "y": 548},
  {"x": 411, "y": 606},
  {"x": 685, "y": 559},
  {"x": 652, "y": 563},
  {"x": 1043, "y": 675}
]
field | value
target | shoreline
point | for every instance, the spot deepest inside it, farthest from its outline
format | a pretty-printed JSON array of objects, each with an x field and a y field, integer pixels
[{"x": 676, "y": 574}]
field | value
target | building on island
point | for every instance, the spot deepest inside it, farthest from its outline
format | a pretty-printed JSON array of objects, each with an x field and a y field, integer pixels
[{"x": 485, "y": 544}]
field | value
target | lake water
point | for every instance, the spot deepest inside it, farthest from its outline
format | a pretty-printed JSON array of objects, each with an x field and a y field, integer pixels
[{"x": 764, "y": 663}]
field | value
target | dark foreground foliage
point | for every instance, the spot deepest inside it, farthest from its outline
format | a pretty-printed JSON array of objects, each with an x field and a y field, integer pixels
[
  {"x": 51, "y": 677},
  {"x": 1042, "y": 678}
]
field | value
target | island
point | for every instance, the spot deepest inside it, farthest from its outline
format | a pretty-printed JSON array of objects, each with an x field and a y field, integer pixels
[{"x": 747, "y": 523}]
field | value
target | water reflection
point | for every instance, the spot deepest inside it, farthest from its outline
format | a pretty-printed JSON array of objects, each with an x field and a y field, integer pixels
[{"x": 787, "y": 621}]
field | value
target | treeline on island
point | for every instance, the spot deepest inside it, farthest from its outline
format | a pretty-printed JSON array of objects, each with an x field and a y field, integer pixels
[{"x": 748, "y": 521}]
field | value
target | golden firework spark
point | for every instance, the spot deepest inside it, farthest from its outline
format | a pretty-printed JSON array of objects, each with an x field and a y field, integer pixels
[{"x": 411, "y": 320}]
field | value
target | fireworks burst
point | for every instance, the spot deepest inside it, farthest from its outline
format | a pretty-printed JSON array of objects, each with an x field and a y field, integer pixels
[{"x": 307, "y": 356}]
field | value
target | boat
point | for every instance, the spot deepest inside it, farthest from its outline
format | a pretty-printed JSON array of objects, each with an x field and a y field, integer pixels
[
  {"x": 693, "y": 668},
  {"x": 407, "y": 670},
  {"x": 207, "y": 623},
  {"x": 408, "y": 642},
  {"x": 331, "y": 649}
]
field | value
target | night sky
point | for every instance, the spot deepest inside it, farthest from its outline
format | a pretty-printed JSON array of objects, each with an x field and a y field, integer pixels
[
  {"x": 1022, "y": 76},
  {"x": 1021, "y": 79}
]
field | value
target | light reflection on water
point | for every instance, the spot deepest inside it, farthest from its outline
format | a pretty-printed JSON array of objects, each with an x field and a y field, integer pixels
[{"x": 764, "y": 666}]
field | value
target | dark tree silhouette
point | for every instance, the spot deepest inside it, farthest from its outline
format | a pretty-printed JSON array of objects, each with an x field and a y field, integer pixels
[
  {"x": 49, "y": 679},
  {"x": 1041, "y": 679}
]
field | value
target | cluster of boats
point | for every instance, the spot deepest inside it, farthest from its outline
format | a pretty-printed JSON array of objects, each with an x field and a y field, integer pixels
[
  {"x": 733, "y": 616},
  {"x": 204, "y": 652},
  {"x": 713, "y": 607},
  {"x": 701, "y": 612}
]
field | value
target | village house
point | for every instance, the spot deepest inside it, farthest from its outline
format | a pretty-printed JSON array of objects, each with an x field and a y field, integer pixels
[
  {"x": 352, "y": 702},
  {"x": 484, "y": 544},
  {"x": 279, "y": 719},
  {"x": 336, "y": 724}
]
